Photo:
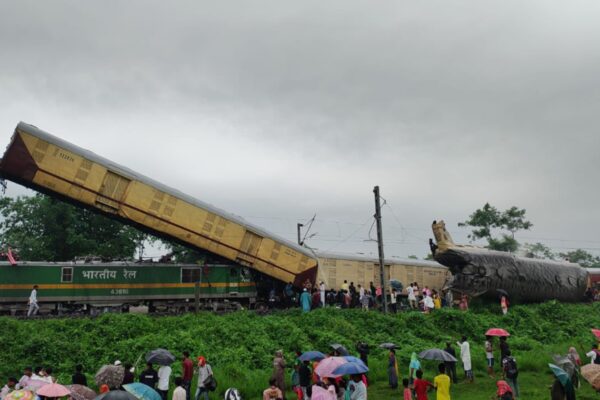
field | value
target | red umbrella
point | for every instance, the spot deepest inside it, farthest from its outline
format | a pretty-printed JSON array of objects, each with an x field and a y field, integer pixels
[
  {"x": 596, "y": 333},
  {"x": 53, "y": 390},
  {"x": 497, "y": 332}
]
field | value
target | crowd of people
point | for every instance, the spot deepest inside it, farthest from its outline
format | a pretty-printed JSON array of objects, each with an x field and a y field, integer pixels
[{"x": 370, "y": 297}]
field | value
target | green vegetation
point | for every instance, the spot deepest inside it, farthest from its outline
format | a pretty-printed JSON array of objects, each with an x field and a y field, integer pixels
[{"x": 240, "y": 345}]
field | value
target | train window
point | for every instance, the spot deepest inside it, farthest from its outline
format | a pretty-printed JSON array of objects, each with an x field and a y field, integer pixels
[
  {"x": 190, "y": 275},
  {"x": 66, "y": 274}
]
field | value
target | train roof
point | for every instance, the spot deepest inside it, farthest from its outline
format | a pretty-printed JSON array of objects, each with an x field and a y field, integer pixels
[
  {"x": 393, "y": 260},
  {"x": 128, "y": 173}
]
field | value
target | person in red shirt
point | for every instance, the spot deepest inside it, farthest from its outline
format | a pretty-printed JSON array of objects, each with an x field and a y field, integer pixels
[
  {"x": 420, "y": 385},
  {"x": 188, "y": 373}
]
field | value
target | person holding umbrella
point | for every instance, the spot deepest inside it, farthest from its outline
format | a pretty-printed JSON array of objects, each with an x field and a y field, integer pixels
[{"x": 451, "y": 365}]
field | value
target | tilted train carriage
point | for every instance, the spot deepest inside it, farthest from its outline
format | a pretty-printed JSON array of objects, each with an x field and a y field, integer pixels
[{"x": 70, "y": 287}]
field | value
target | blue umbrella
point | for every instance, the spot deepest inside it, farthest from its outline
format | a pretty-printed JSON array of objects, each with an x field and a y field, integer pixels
[
  {"x": 560, "y": 374},
  {"x": 351, "y": 368},
  {"x": 141, "y": 391},
  {"x": 311, "y": 356},
  {"x": 354, "y": 360}
]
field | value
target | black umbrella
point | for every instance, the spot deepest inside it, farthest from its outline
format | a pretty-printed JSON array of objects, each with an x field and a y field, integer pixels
[
  {"x": 116, "y": 395},
  {"x": 388, "y": 346},
  {"x": 437, "y": 354},
  {"x": 160, "y": 357},
  {"x": 502, "y": 292},
  {"x": 340, "y": 349}
]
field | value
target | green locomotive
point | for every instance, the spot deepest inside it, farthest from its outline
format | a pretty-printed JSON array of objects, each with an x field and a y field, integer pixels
[{"x": 96, "y": 287}]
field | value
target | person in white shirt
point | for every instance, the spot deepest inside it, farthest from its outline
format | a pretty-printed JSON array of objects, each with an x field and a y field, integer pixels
[
  {"x": 427, "y": 303},
  {"x": 24, "y": 381},
  {"x": 48, "y": 375},
  {"x": 412, "y": 299},
  {"x": 322, "y": 293},
  {"x": 361, "y": 292},
  {"x": 33, "y": 303},
  {"x": 394, "y": 300},
  {"x": 594, "y": 355},
  {"x": 9, "y": 387},
  {"x": 358, "y": 390},
  {"x": 489, "y": 356},
  {"x": 204, "y": 372},
  {"x": 164, "y": 373},
  {"x": 465, "y": 355},
  {"x": 179, "y": 393}
]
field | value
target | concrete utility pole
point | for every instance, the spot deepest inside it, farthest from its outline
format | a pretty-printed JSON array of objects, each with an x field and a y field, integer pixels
[
  {"x": 380, "y": 248},
  {"x": 300, "y": 233}
]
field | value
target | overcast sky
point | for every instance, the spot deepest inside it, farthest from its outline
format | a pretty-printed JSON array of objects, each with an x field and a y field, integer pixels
[{"x": 279, "y": 110}]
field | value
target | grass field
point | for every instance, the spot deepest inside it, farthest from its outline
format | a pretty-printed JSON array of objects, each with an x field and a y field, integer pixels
[{"x": 240, "y": 345}]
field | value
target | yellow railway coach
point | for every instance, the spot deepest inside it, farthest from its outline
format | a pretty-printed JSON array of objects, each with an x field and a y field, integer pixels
[
  {"x": 334, "y": 268},
  {"x": 53, "y": 166}
]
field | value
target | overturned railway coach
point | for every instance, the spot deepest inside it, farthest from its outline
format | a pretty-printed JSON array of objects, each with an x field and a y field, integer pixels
[
  {"x": 43, "y": 162},
  {"x": 71, "y": 287}
]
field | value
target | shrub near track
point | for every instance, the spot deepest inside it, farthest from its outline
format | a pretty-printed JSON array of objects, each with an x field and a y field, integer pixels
[{"x": 240, "y": 345}]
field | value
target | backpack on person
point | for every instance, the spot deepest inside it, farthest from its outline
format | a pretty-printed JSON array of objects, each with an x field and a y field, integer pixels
[
  {"x": 597, "y": 358},
  {"x": 210, "y": 383},
  {"x": 511, "y": 368}
]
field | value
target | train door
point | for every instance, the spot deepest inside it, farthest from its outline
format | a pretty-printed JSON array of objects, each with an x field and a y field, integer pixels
[
  {"x": 249, "y": 249},
  {"x": 111, "y": 192}
]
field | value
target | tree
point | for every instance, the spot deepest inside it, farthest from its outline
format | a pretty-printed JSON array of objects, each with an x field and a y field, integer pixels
[
  {"x": 582, "y": 257},
  {"x": 489, "y": 218},
  {"x": 538, "y": 250},
  {"x": 43, "y": 228}
]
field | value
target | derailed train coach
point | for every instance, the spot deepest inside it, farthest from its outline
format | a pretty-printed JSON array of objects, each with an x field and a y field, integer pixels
[
  {"x": 41, "y": 161},
  {"x": 482, "y": 272}
]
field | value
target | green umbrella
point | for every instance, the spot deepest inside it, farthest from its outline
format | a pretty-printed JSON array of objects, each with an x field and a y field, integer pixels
[{"x": 560, "y": 374}]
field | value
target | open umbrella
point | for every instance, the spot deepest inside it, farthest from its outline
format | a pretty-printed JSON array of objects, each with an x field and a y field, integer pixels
[
  {"x": 160, "y": 357},
  {"x": 20, "y": 395},
  {"x": 35, "y": 384},
  {"x": 328, "y": 365},
  {"x": 110, "y": 375},
  {"x": 596, "y": 333},
  {"x": 350, "y": 368},
  {"x": 340, "y": 349},
  {"x": 437, "y": 354},
  {"x": 354, "y": 360},
  {"x": 53, "y": 390},
  {"x": 591, "y": 373},
  {"x": 565, "y": 363},
  {"x": 560, "y": 374},
  {"x": 141, "y": 391},
  {"x": 80, "y": 392},
  {"x": 116, "y": 395},
  {"x": 502, "y": 292},
  {"x": 388, "y": 346},
  {"x": 311, "y": 356},
  {"x": 497, "y": 332}
]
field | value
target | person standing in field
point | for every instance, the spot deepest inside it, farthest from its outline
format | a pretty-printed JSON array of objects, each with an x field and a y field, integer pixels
[
  {"x": 33, "y": 302},
  {"x": 449, "y": 299},
  {"x": 164, "y": 374},
  {"x": 441, "y": 383},
  {"x": 322, "y": 293},
  {"x": 204, "y": 373},
  {"x": 412, "y": 299},
  {"x": 305, "y": 384},
  {"x": 451, "y": 365},
  {"x": 504, "y": 304},
  {"x": 344, "y": 286},
  {"x": 179, "y": 393},
  {"x": 279, "y": 371},
  {"x": 305, "y": 300},
  {"x": 465, "y": 355},
  {"x": 187, "y": 367},
  {"x": 421, "y": 386},
  {"x": 394, "y": 300},
  {"x": 511, "y": 372},
  {"x": 392, "y": 369},
  {"x": 365, "y": 301},
  {"x": 78, "y": 377},
  {"x": 149, "y": 376},
  {"x": 464, "y": 302},
  {"x": 504, "y": 348},
  {"x": 489, "y": 356},
  {"x": 413, "y": 367}
]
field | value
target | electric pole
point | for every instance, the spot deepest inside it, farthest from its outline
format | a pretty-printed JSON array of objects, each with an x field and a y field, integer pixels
[
  {"x": 380, "y": 248},
  {"x": 300, "y": 233}
]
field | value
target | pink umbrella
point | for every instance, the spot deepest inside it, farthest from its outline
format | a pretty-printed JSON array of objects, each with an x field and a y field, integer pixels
[
  {"x": 497, "y": 332},
  {"x": 35, "y": 384},
  {"x": 53, "y": 390},
  {"x": 596, "y": 333},
  {"x": 328, "y": 365}
]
